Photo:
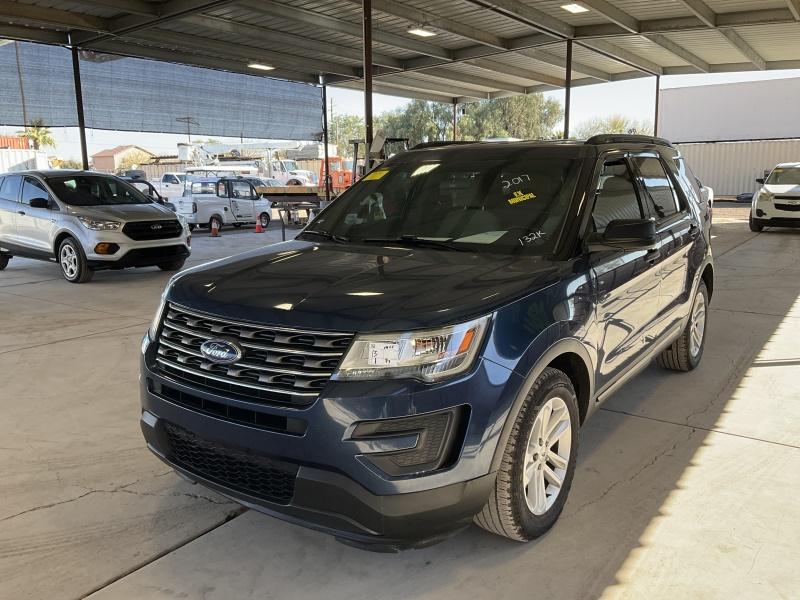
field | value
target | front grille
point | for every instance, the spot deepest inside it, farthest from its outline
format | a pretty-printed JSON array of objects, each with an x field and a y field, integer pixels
[
  {"x": 278, "y": 365},
  {"x": 258, "y": 476},
  {"x": 152, "y": 230},
  {"x": 789, "y": 207}
]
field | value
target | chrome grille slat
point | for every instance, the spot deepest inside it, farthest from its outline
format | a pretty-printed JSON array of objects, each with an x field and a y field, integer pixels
[{"x": 279, "y": 365}]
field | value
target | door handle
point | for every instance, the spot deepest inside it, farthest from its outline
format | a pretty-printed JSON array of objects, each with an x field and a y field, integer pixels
[
  {"x": 653, "y": 255},
  {"x": 20, "y": 212}
]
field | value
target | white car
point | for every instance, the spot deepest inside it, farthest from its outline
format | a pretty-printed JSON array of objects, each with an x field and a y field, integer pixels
[
  {"x": 171, "y": 185},
  {"x": 226, "y": 201},
  {"x": 777, "y": 203}
]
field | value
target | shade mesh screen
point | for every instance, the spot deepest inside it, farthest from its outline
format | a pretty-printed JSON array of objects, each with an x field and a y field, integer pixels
[{"x": 132, "y": 94}]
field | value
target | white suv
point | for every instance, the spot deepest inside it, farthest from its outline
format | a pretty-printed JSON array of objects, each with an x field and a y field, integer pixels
[
  {"x": 777, "y": 203},
  {"x": 86, "y": 222}
]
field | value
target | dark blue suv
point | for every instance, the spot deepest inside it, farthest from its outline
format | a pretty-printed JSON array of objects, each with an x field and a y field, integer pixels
[{"x": 423, "y": 355}]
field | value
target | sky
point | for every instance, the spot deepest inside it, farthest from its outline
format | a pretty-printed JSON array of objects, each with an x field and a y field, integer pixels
[{"x": 634, "y": 98}]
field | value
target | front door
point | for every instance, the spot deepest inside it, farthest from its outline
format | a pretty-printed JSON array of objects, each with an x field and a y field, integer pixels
[
  {"x": 242, "y": 198},
  {"x": 626, "y": 282},
  {"x": 9, "y": 207},
  {"x": 35, "y": 225}
]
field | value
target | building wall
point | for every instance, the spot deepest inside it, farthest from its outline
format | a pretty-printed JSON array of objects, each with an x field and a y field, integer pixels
[
  {"x": 751, "y": 110},
  {"x": 104, "y": 163},
  {"x": 22, "y": 160},
  {"x": 731, "y": 168}
]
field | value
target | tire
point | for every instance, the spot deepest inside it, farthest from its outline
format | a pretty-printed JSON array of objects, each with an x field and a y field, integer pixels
[
  {"x": 175, "y": 265},
  {"x": 73, "y": 262},
  {"x": 755, "y": 226},
  {"x": 686, "y": 352},
  {"x": 4, "y": 258},
  {"x": 265, "y": 219},
  {"x": 508, "y": 512}
]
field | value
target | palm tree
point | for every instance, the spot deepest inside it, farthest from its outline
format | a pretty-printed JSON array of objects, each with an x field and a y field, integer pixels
[{"x": 38, "y": 134}]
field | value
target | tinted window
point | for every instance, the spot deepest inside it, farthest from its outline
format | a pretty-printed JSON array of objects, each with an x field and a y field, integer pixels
[
  {"x": 95, "y": 190},
  {"x": 616, "y": 196},
  {"x": 33, "y": 188},
  {"x": 170, "y": 179},
  {"x": 494, "y": 205},
  {"x": 688, "y": 182},
  {"x": 659, "y": 194},
  {"x": 10, "y": 188}
]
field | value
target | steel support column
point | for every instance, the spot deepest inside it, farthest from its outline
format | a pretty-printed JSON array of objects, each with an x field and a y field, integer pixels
[
  {"x": 455, "y": 119},
  {"x": 567, "y": 88},
  {"x": 658, "y": 94},
  {"x": 366, "y": 10},
  {"x": 76, "y": 74},
  {"x": 327, "y": 171}
]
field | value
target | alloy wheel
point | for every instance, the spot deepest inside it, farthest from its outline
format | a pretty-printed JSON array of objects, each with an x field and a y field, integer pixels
[
  {"x": 69, "y": 261},
  {"x": 547, "y": 455},
  {"x": 698, "y": 325}
]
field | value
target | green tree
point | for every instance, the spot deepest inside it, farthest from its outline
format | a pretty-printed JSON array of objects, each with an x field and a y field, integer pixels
[
  {"x": 343, "y": 128},
  {"x": 612, "y": 124},
  {"x": 133, "y": 160},
  {"x": 38, "y": 134},
  {"x": 528, "y": 117},
  {"x": 420, "y": 121}
]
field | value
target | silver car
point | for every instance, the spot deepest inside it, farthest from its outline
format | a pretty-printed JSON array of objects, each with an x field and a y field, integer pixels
[{"x": 87, "y": 222}]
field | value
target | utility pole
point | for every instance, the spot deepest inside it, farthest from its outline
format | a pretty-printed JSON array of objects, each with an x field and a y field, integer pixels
[
  {"x": 21, "y": 88},
  {"x": 189, "y": 122}
]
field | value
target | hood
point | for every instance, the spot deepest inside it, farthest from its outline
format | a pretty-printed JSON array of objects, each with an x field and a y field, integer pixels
[
  {"x": 359, "y": 288},
  {"x": 124, "y": 212},
  {"x": 782, "y": 190}
]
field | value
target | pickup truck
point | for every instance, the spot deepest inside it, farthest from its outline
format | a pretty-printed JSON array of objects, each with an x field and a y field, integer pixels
[
  {"x": 227, "y": 200},
  {"x": 171, "y": 185}
]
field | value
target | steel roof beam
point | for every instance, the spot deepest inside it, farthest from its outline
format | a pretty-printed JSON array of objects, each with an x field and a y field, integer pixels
[
  {"x": 291, "y": 41},
  {"x": 679, "y": 51},
  {"x": 125, "y": 48},
  {"x": 520, "y": 73},
  {"x": 794, "y": 6},
  {"x": 439, "y": 87},
  {"x": 484, "y": 82},
  {"x": 702, "y": 11},
  {"x": 382, "y": 88},
  {"x": 172, "y": 9},
  {"x": 623, "y": 56},
  {"x": 52, "y": 16},
  {"x": 528, "y": 15},
  {"x": 615, "y": 15},
  {"x": 308, "y": 17},
  {"x": 738, "y": 42},
  {"x": 32, "y": 34},
  {"x": 134, "y": 7},
  {"x": 243, "y": 53},
  {"x": 560, "y": 61},
  {"x": 417, "y": 16}
]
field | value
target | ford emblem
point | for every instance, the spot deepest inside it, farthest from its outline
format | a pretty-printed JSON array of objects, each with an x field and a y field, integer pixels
[{"x": 221, "y": 351}]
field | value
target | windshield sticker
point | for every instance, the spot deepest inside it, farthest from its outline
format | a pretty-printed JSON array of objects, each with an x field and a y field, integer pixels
[
  {"x": 375, "y": 175},
  {"x": 487, "y": 237},
  {"x": 520, "y": 196},
  {"x": 507, "y": 183},
  {"x": 531, "y": 237}
]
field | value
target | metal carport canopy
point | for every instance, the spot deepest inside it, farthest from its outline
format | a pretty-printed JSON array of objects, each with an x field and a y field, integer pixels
[{"x": 482, "y": 48}]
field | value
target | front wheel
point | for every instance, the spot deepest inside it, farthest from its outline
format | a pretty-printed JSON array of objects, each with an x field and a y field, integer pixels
[
  {"x": 264, "y": 219},
  {"x": 73, "y": 262},
  {"x": 538, "y": 463},
  {"x": 685, "y": 353},
  {"x": 754, "y": 226},
  {"x": 4, "y": 258}
]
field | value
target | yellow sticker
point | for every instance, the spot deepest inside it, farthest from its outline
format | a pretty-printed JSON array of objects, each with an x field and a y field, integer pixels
[
  {"x": 521, "y": 197},
  {"x": 375, "y": 175}
]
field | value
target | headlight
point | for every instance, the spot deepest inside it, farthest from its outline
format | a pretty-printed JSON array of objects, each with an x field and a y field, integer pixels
[
  {"x": 764, "y": 196},
  {"x": 100, "y": 225},
  {"x": 153, "y": 330},
  {"x": 428, "y": 355}
]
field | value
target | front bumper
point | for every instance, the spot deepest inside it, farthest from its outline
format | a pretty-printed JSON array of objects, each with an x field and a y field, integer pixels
[
  {"x": 777, "y": 212},
  {"x": 141, "y": 257},
  {"x": 336, "y": 487}
]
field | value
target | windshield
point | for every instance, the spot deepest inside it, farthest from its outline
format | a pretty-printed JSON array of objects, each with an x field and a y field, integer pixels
[
  {"x": 784, "y": 176},
  {"x": 505, "y": 206},
  {"x": 95, "y": 190},
  {"x": 290, "y": 165}
]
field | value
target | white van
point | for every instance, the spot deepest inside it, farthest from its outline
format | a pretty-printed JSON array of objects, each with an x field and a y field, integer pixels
[{"x": 226, "y": 200}]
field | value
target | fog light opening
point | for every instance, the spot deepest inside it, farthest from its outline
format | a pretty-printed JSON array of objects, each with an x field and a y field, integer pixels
[{"x": 105, "y": 248}]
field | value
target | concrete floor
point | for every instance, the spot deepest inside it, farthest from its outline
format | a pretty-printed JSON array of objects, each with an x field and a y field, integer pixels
[{"x": 686, "y": 486}]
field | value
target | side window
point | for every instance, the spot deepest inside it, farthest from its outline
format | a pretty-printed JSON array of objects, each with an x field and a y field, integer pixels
[
  {"x": 616, "y": 196},
  {"x": 171, "y": 179},
  {"x": 10, "y": 188},
  {"x": 240, "y": 189},
  {"x": 688, "y": 182},
  {"x": 33, "y": 188},
  {"x": 222, "y": 191},
  {"x": 659, "y": 193}
]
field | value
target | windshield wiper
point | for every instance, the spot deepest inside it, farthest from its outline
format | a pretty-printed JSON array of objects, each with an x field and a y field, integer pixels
[
  {"x": 413, "y": 240},
  {"x": 340, "y": 239}
]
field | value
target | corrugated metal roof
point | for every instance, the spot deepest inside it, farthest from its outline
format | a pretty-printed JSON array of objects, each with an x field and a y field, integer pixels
[{"x": 312, "y": 37}]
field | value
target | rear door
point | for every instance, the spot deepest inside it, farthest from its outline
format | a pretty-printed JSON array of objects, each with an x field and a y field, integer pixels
[
  {"x": 627, "y": 282},
  {"x": 35, "y": 225},
  {"x": 9, "y": 208},
  {"x": 677, "y": 230}
]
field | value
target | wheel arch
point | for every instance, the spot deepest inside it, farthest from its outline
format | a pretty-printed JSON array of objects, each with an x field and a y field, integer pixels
[
  {"x": 567, "y": 355},
  {"x": 59, "y": 239},
  {"x": 708, "y": 278}
]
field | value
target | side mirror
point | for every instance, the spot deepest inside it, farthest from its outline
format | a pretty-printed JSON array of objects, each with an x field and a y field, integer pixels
[
  {"x": 760, "y": 180},
  {"x": 625, "y": 234},
  {"x": 39, "y": 203}
]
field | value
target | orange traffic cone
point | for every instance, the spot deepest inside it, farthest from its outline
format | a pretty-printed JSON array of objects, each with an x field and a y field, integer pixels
[
  {"x": 259, "y": 228},
  {"x": 214, "y": 228}
]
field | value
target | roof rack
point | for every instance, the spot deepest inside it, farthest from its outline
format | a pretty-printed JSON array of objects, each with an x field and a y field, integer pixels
[
  {"x": 620, "y": 138},
  {"x": 440, "y": 144}
]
